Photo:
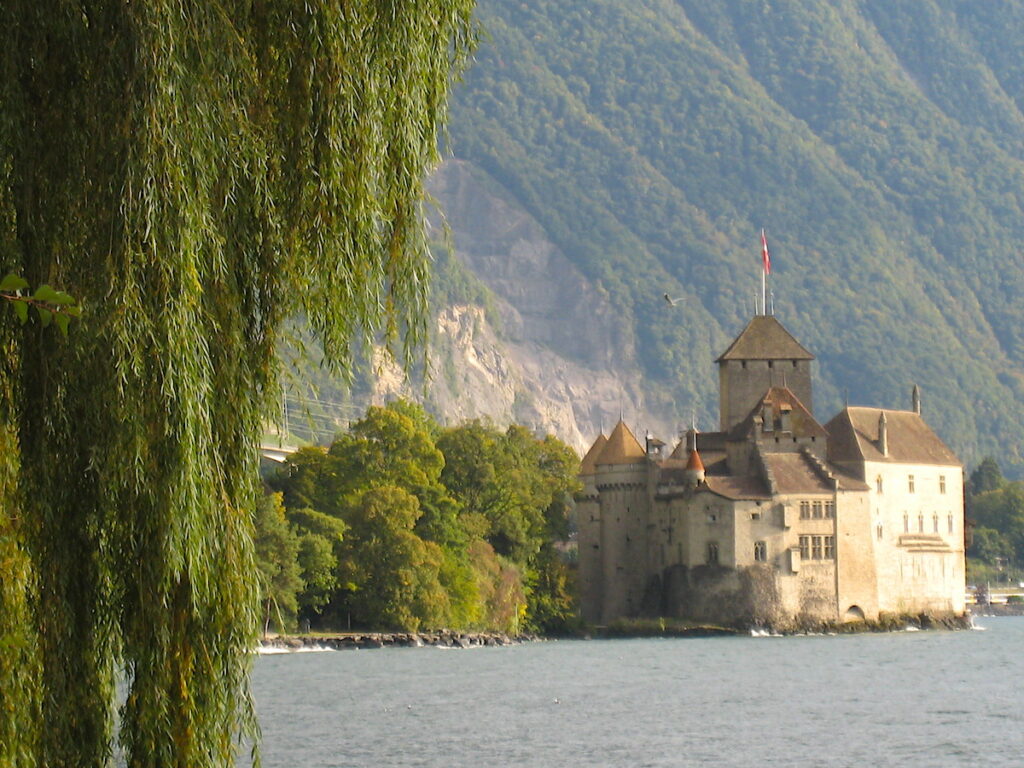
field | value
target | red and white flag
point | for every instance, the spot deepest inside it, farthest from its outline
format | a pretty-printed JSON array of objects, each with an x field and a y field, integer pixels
[{"x": 765, "y": 258}]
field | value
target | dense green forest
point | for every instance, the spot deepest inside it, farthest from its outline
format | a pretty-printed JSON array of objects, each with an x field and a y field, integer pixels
[
  {"x": 403, "y": 524},
  {"x": 879, "y": 142},
  {"x": 995, "y": 508}
]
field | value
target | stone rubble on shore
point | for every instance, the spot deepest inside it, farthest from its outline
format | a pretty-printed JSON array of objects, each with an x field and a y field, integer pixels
[{"x": 359, "y": 640}]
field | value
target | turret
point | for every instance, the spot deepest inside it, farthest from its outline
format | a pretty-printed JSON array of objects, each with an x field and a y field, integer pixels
[
  {"x": 883, "y": 435},
  {"x": 694, "y": 473},
  {"x": 915, "y": 400}
]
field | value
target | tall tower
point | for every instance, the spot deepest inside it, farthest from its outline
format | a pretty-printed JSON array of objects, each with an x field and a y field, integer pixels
[{"x": 764, "y": 355}]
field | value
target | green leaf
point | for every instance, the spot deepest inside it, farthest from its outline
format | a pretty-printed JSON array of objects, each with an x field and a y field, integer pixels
[
  {"x": 62, "y": 299},
  {"x": 45, "y": 315},
  {"x": 45, "y": 293},
  {"x": 61, "y": 321},
  {"x": 21, "y": 310},
  {"x": 74, "y": 310},
  {"x": 13, "y": 282}
]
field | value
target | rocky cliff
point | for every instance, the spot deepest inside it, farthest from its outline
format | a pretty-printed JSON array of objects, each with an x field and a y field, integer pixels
[{"x": 554, "y": 353}]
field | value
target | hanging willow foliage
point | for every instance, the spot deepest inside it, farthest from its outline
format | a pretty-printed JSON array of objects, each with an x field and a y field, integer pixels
[{"x": 192, "y": 173}]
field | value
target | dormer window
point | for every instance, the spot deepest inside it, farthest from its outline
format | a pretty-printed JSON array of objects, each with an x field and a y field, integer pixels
[
  {"x": 942, "y": 483},
  {"x": 910, "y": 483}
]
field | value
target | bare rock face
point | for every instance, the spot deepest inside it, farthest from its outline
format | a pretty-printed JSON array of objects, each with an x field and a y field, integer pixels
[{"x": 560, "y": 358}]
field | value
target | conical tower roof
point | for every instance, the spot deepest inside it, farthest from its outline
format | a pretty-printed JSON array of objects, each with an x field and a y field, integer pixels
[
  {"x": 694, "y": 464},
  {"x": 589, "y": 462},
  {"x": 622, "y": 447}
]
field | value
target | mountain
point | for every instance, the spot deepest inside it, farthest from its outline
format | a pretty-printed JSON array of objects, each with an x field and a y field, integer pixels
[{"x": 609, "y": 152}]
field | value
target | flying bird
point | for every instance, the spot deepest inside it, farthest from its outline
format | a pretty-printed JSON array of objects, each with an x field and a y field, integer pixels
[{"x": 673, "y": 302}]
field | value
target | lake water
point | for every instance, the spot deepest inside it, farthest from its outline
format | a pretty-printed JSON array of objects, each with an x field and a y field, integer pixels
[{"x": 908, "y": 698}]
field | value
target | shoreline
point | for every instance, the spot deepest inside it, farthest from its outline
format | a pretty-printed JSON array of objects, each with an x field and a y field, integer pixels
[{"x": 340, "y": 641}]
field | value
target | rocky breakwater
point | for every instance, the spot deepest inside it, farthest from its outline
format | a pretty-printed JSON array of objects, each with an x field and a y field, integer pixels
[{"x": 358, "y": 640}]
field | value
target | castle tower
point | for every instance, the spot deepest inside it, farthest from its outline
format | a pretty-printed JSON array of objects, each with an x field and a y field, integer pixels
[
  {"x": 764, "y": 355},
  {"x": 588, "y": 522},
  {"x": 621, "y": 482}
]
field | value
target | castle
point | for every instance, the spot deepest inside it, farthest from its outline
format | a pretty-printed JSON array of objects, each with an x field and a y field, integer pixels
[{"x": 775, "y": 519}]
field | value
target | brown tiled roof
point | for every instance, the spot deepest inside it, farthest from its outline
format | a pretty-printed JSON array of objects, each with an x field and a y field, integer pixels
[
  {"x": 707, "y": 442},
  {"x": 734, "y": 487},
  {"x": 764, "y": 338},
  {"x": 793, "y": 473},
  {"x": 589, "y": 461},
  {"x": 847, "y": 482},
  {"x": 853, "y": 436},
  {"x": 779, "y": 399},
  {"x": 622, "y": 447}
]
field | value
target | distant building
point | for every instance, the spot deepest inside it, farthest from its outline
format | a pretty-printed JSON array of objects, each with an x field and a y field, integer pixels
[{"x": 774, "y": 519}]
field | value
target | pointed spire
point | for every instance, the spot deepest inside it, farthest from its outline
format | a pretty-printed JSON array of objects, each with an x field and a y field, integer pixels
[
  {"x": 883, "y": 434},
  {"x": 622, "y": 447},
  {"x": 915, "y": 399}
]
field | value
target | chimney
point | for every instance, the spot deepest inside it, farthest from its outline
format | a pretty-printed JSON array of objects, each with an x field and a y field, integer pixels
[
  {"x": 883, "y": 437},
  {"x": 915, "y": 399}
]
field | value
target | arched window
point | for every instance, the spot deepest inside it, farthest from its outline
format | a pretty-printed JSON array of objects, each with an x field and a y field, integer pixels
[
  {"x": 878, "y": 483},
  {"x": 878, "y": 531},
  {"x": 920, "y": 522},
  {"x": 935, "y": 523},
  {"x": 712, "y": 553},
  {"x": 906, "y": 523},
  {"x": 760, "y": 551}
]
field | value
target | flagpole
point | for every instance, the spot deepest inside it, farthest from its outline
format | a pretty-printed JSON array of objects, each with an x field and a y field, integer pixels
[
  {"x": 764, "y": 311},
  {"x": 764, "y": 293},
  {"x": 766, "y": 268}
]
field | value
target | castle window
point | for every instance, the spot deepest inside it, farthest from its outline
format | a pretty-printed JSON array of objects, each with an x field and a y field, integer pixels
[
  {"x": 950, "y": 520},
  {"x": 910, "y": 483},
  {"x": 878, "y": 483},
  {"x": 794, "y": 363},
  {"x": 760, "y": 551},
  {"x": 805, "y": 510},
  {"x": 942, "y": 483},
  {"x": 771, "y": 364},
  {"x": 906, "y": 523},
  {"x": 830, "y": 547},
  {"x": 878, "y": 531},
  {"x": 920, "y": 522},
  {"x": 712, "y": 517},
  {"x": 830, "y": 510},
  {"x": 712, "y": 553},
  {"x": 817, "y": 507},
  {"x": 805, "y": 547},
  {"x": 816, "y": 547},
  {"x": 935, "y": 523},
  {"x": 755, "y": 515}
]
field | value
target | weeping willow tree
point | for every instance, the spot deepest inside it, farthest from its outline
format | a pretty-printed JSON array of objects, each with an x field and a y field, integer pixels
[{"x": 193, "y": 173}]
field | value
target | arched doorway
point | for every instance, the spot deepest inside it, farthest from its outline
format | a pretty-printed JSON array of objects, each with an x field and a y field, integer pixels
[{"x": 853, "y": 613}]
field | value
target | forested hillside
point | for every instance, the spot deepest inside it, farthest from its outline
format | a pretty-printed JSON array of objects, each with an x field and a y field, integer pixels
[{"x": 879, "y": 142}]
